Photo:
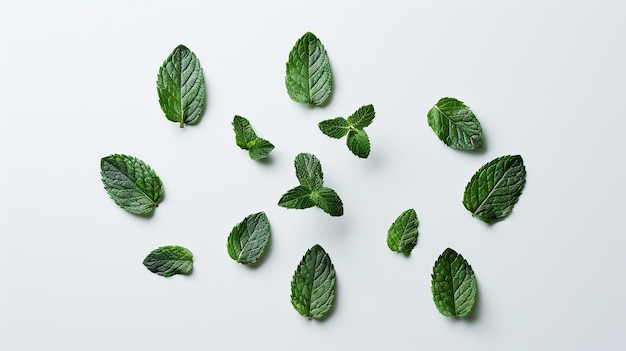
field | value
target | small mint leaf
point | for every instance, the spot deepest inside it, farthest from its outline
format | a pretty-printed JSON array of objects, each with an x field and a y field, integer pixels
[
  {"x": 309, "y": 170},
  {"x": 402, "y": 235},
  {"x": 359, "y": 143},
  {"x": 297, "y": 198},
  {"x": 244, "y": 133},
  {"x": 259, "y": 148},
  {"x": 308, "y": 78},
  {"x": 248, "y": 239},
  {"x": 313, "y": 284},
  {"x": 334, "y": 128},
  {"x": 453, "y": 285},
  {"x": 455, "y": 124},
  {"x": 328, "y": 200},
  {"x": 169, "y": 260},
  {"x": 363, "y": 117}
]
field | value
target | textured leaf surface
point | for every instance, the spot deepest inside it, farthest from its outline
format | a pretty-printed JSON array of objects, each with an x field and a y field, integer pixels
[
  {"x": 259, "y": 148},
  {"x": 247, "y": 240},
  {"x": 309, "y": 170},
  {"x": 359, "y": 143},
  {"x": 298, "y": 198},
  {"x": 181, "y": 88},
  {"x": 455, "y": 124},
  {"x": 453, "y": 285},
  {"x": 313, "y": 284},
  {"x": 402, "y": 235},
  {"x": 495, "y": 188},
  {"x": 131, "y": 183},
  {"x": 334, "y": 128},
  {"x": 308, "y": 78},
  {"x": 363, "y": 117},
  {"x": 328, "y": 200},
  {"x": 169, "y": 260},
  {"x": 244, "y": 133}
]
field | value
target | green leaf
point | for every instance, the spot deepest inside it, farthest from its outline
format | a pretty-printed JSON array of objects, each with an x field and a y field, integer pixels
[
  {"x": 131, "y": 183},
  {"x": 313, "y": 284},
  {"x": 359, "y": 143},
  {"x": 495, "y": 188},
  {"x": 363, "y": 117},
  {"x": 328, "y": 200},
  {"x": 297, "y": 198},
  {"x": 334, "y": 128},
  {"x": 308, "y": 79},
  {"x": 453, "y": 285},
  {"x": 244, "y": 133},
  {"x": 181, "y": 88},
  {"x": 248, "y": 239},
  {"x": 169, "y": 260},
  {"x": 259, "y": 148},
  {"x": 402, "y": 235},
  {"x": 455, "y": 124},
  {"x": 309, "y": 171}
]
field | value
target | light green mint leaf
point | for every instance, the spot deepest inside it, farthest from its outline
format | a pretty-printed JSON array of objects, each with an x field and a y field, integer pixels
[
  {"x": 298, "y": 198},
  {"x": 248, "y": 239},
  {"x": 402, "y": 235},
  {"x": 455, "y": 124},
  {"x": 169, "y": 260},
  {"x": 363, "y": 117},
  {"x": 259, "y": 148},
  {"x": 328, "y": 200},
  {"x": 453, "y": 285},
  {"x": 308, "y": 79},
  {"x": 359, "y": 143},
  {"x": 131, "y": 183},
  {"x": 181, "y": 88},
  {"x": 313, "y": 284},
  {"x": 334, "y": 128},
  {"x": 495, "y": 188},
  {"x": 309, "y": 170},
  {"x": 244, "y": 133}
]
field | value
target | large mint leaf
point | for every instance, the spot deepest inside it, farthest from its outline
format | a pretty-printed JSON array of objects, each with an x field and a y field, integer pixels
[
  {"x": 308, "y": 78},
  {"x": 402, "y": 235},
  {"x": 309, "y": 170},
  {"x": 455, "y": 124},
  {"x": 169, "y": 260},
  {"x": 313, "y": 284},
  {"x": 181, "y": 88},
  {"x": 495, "y": 188},
  {"x": 131, "y": 183},
  {"x": 453, "y": 285},
  {"x": 248, "y": 239}
]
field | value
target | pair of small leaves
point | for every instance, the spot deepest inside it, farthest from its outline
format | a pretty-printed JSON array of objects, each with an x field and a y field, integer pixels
[
  {"x": 313, "y": 284},
  {"x": 455, "y": 124},
  {"x": 308, "y": 78},
  {"x": 311, "y": 191},
  {"x": 246, "y": 138},
  {"x": 131, "y": 183},
  {"x": 181, "y": 87},
  {"x": 169, "y": 260},
  {"x": 358, "y": 142},
  {"x": 248, "y": 239},
  {"x": 402, "y": 235},
  {"x": 454, "y": 285}
]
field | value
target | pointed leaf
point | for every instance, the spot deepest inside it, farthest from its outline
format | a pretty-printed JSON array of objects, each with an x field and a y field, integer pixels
[
  {"x": 309, "y": 170},
  {"x": 181, "y": 88},
  {"x": 169, "y": 260},
  {"x": 131, "y": 183},
  {"x": 308, "y": 79},
  {"x": 359, "y": 143},
  {"x": 313, "y": 284},
  {"x": 334, "y": 128},
  {"x": 402, "y": 235},
  {"x": 495, "y": 188},
  {"x": 298, "y": 198},
  {"x": 248, "y": 239},
  {"x": 328, "y": 200},
  {"x": 259, "y": 148},
  {"x": 453, "y": 285},
  {"x": 455, "y": 124},
  {"x": 244, "y": 133},
  {"x": 363, "y": 117}
]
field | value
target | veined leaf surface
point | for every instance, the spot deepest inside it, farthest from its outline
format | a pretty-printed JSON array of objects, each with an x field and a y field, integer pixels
[
  {"x": 248, "y": 239},
  {"x": 455, "y": 124},
  {"x": 313, "y": 284},
  {"x": 169, "y": 260},
  {"x": 308, "y": 78},
  {"x": 453, "y": 285},
  {"x": 402, "y": 235}
]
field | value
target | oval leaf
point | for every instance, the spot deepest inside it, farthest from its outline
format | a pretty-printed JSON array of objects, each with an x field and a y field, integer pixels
[
  {"x": 328, "y": 200},
  {"x": 359, "y": 143},
  {"x": 313, "y": 284},
  {"x": 298, "y": 198},
  {"x": 131, "y": 183},
  {"x": 181, "y": 88},
  {"x": 402, "y": 235},
  {"x": 169, "y": 260},
  {"x": 308, "y": 79},
  {"x": 453, "y": 285},
  {"x": 259, "y": 148},
  {"x": 495, "y": 188},
  {"x": 363, "y": 117},
  {"x": 334, "y": 128},
  {"x": 309, "y": 170},
  {"x": 455, "y": 124},
  {"x": 248, "y": 239},
  {"x": 244, "y": 133}
]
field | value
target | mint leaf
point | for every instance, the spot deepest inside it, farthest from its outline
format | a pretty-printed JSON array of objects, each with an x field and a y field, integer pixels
[
  {"x": 169, "y": 260},
  {"x": 453, "y": 285},
  {"x": 308, "y": 78},
  {"x": 181, "y": 88},
  {"x": 328, "y": 200},
  {"x": 259, "y": 148},
  {"x": 248, "y": 239},
  {"x": 309, "y": 170},
  {"x": 131, "y": 183},
  {"x": 298, "y": 198},
  {"x": 313, "y": 284},
  {"x": 402, "y": 235},
  {"x": 363, "y": 117},
  {"x": 495, "y": 188},
  {"x": 246, "y": 138},
  {"x": 334, "y": 128},
  {"x": 455, "y": 124},
  {"x": 359, "y": 143}
]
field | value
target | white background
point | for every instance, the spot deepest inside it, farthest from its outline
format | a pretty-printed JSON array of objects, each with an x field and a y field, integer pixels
[{"x": 545, "y": 78}]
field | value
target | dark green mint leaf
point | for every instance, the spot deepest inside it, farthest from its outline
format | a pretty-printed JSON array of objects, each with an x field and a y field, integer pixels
[
  {"x": 298, "y": 198},
  {"x": 455, "y": 124},
  {"x": 359, "y": 143},
  {"x": 259, "y": 148},
  {"x": 334, "y": 128},
  {"x": 248, "y": 239},
  {"x": 244, "y": 133},
  {"x": 308, "y": 79},
  {"x": 453, "y": 285},
  {"x": 131, "y": 183},
  {"x": 328, "y": 200},
  {"x": 169, "y": 260},
  {"x": 181, "y": 88},
  {"x": 402, "y": 235},
  {"x": 309, "y": 171},
  {"x": 363, "y": 117},
  {"x": 495, "y": 188},
  {"x": 313, "y": 284}
]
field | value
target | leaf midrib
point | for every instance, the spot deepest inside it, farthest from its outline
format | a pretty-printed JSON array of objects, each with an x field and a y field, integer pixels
[
  {"x": 492, "y": 190},
  {"x": 133, "y": 183}
]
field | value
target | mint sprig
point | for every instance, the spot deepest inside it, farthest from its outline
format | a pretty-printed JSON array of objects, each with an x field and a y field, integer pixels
[
  {"x": 246, "y": 138},
  {"x": 169, "y": 260},
  {"x": 358, "y": 141},
  {"x": 313, "y": 284},
  {"x": 453, "y": 285},
  {"x": 248, "y": 239},
  {"x": 455, "y": 124},
  {"x": 308, "y": 78}
]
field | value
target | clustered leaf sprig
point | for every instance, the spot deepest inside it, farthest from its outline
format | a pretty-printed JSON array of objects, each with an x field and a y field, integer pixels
[{"x": 358, "y": 141}]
